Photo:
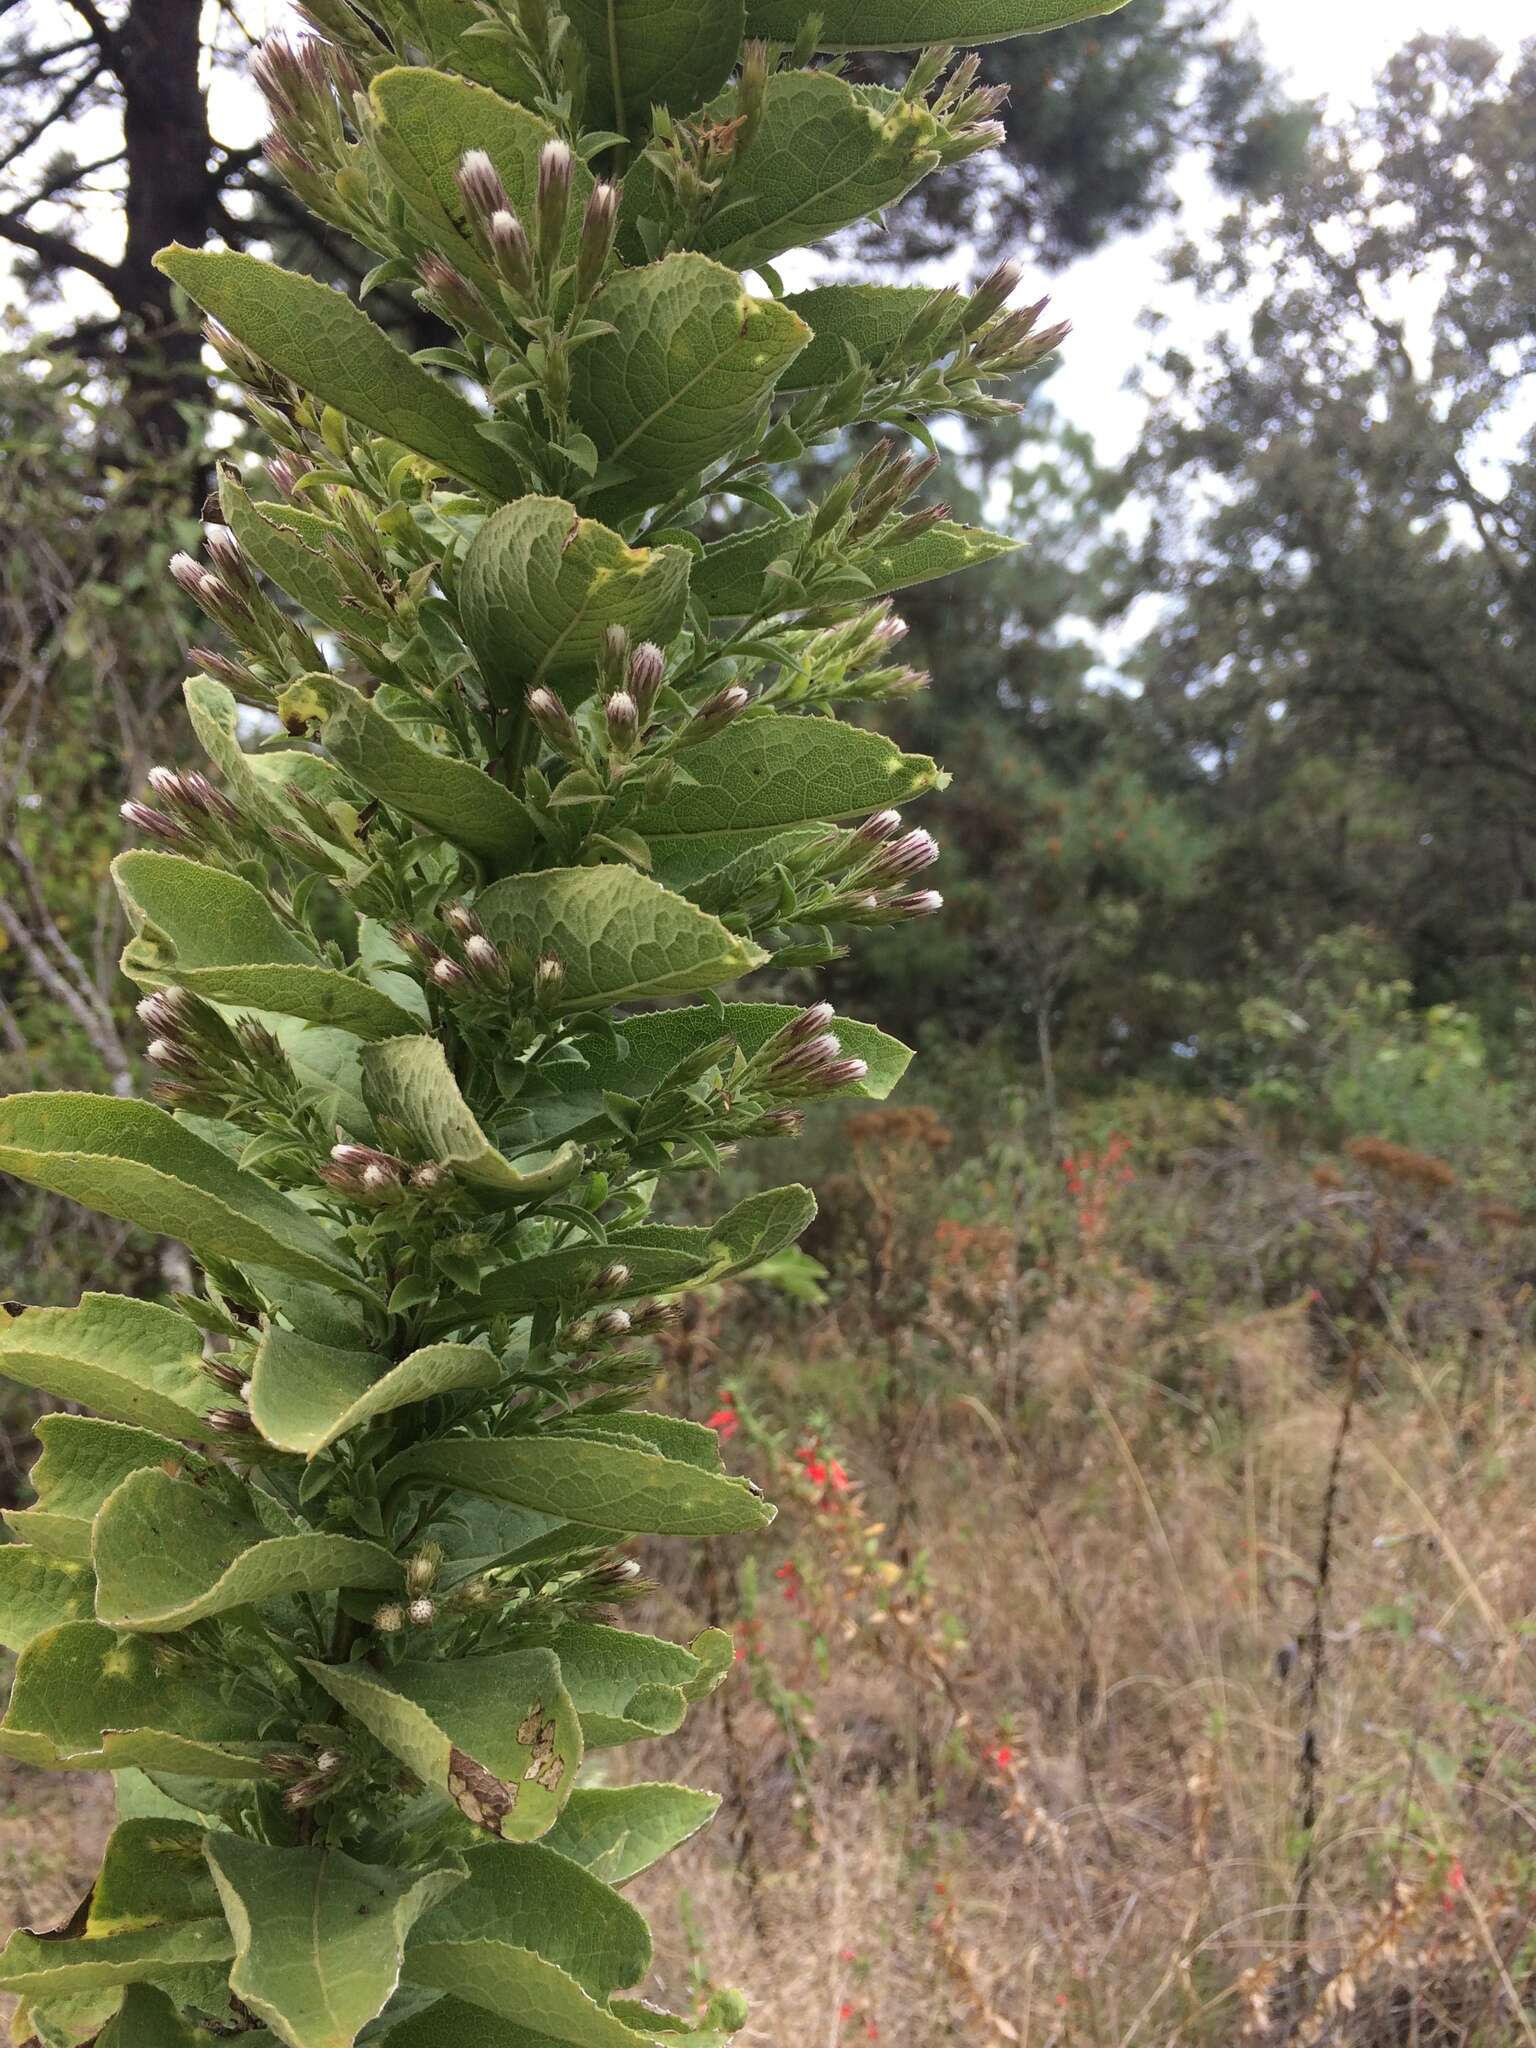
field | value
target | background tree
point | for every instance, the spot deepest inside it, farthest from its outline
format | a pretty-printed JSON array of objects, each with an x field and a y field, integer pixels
[{"x": 1344, "y": 489}]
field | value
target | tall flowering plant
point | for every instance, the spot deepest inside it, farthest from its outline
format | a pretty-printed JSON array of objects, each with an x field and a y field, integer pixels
[{"x": 519, "y": 757}]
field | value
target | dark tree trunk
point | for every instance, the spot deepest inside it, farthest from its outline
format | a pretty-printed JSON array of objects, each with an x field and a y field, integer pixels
[{"x": 171, "y": 197}]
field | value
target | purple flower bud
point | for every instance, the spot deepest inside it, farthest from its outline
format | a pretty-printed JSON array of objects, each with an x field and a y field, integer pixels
[
  {"x": 225, "y": 554},
  {"x": 613, "y": 1323},
  {"x": 647, "y": 666},
  {"x": 511, "y": 252},
  {"x": 597, "y": 225},
  {"x": 780, "y": 1123},
  {"x": 188, "y": 574},
  {"x": 877, "y": 829},
  {"x": 146, "y": 819},
  {"x": 992, "y": 294},
  {"x": 548, "y": 977},
  {"x": 448, "y": 974},
  {"x": 622, "y": 717},
  {"x": 810, "y": 1023},
  {"x": 717, "y": 712},
  {"x": 430, "y": 1176},
  {"x": 175, "y": 1057},
  {"x": 286, "y": 469},
  {"x": 460, "y": 919},
  {"x": 348, "y": 1154},
  {"x": 920, "y": 903},
  {"x": 225, "y": 1374},
  {"x": 908, "y": 855},
  {"x": 841, "y": 1073},
  {"x": 230, "y": 1422},
  {"x": 166, "y": 1011},
  {"x": 484, "y": 958},
  {"x": 480, "y": 183},
  {"x": 612, "y": 1279},
  {"x": 454, "y": 293},
  {"x": 553, "y": 199},
  {"x": 554, "y": 722},
  {"x": 654, "y": 1315}
]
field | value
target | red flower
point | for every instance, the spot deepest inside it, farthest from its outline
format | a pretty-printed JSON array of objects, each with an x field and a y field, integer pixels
[
  {"x": 725, "y": 1420},
  {"x": 837, "y": 1478},
  {"x": 845, "y": 2011}
]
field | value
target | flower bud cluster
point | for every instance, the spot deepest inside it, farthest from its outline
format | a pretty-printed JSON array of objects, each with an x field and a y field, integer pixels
[{"x": 803, "y": 1058}]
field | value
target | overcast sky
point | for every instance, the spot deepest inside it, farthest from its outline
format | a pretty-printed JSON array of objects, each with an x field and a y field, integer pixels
[{"x": 1326, "y": 49}]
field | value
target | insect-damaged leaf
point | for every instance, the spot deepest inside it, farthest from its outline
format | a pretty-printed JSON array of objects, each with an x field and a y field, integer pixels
[{"x": 498, "y": 1734}]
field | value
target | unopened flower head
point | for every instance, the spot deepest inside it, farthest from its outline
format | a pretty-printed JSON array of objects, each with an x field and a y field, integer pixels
[
  {"x": 511, "y": 252},
  {"x": 553, "y": 199},
  {"x": 480, "y": 183}
]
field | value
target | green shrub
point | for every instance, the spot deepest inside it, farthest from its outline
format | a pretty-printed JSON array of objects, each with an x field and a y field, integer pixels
[{"x": 332, "y": 1578}]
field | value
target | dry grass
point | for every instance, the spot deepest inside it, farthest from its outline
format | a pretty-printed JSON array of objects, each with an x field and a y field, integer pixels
[{"x": 1014, "y": 1755}]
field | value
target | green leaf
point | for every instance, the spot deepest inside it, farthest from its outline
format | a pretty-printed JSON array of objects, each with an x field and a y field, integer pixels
[
  {"x": 642, "y": 54},
  {"x": 728, "y": 579},
  {"x": 130, "y": 1360},
  {"x": 866, "y": 318},
  {"x": 133, "y": 1161},
  {"x": 40, "y": 1592},
  {"x": 83, "y": 1462},
  {"x": 567, "y": 1276},
  {"x": 910, "y": 24},
  {"x": 456, "y": 2023},
  {"x": 626, "y": 1686},
  {"x": 689, "y": 365},
  {"x": 448, "y": 35},
  {"x": 941, "y": 551},
  {"x": 450, "y": 797},
  {"x": 424, "y": 123},
  {"x": 84, "y": 1698},
  {"x": 152, "y": 1874},
  {"x": 766, "y": 774},
  {"x": 409, "y": 1087},
  {"x": 218, "y": 937},
  {"x": 319, "y": 338},
  {"x": 303, "y": 1396},
  {"x": 43, "y": 1966},
  {"x": 168, "y": 1553},
  {"x": 585, "y": 1479},
  {"x": 619, "y": 935},
  {"x": 618, "y": 1831},
  {"x": 527, "y": 1898},
  {"x": 256, "y": 782},
  {"x": 540, "y": 585},
  {"x": 754, "y": 1230},
  {"x": 824, "y": 156},
  {"x": 498, "y": 1734},
  {"x": 148, "y": 2019},
  {"x": 288, "y": 544},
  {"x": 318, "y": 1936},
  {"x": 650, "y": 1047}
]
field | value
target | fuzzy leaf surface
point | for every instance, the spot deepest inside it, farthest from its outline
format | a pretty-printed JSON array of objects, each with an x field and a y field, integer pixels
[
  {"x": 84, "y": 1461},
  {"x": 645, "y": 53},
  {"x": 529, "y": 1897},
  {"x": 767, "y": 774},
  {"x": 167, "y": 1553},
  {"x": 941, "y": 551},
  {"x": 327, "y": 346},
  {"x": 85, "y": 1699},
  {"x": 540, "y": 585},
  {"x": 218, "y": 937},
  {"x": 409, "y": 1087},
  {"x": 590, "y": 1480},
  {"x": 425, "y": 121},
  {"x": 626, "y": 1686},
  {"x": 129, "y": 1360},
  {"x": 690, "y": 364},
  {"x": 451, "y": 797},
  {"x": 619, "y": 935},
  {"x": 864, "y": 318},
  {"x": 39, "y": 1592},
  {"x": 617, "y": 1831},
  {"x": 133, "y": 1161},
  {"x": 318, "y": 1936},
  {"x": 304, "y": 1396}
]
